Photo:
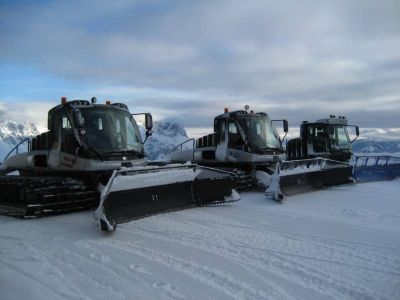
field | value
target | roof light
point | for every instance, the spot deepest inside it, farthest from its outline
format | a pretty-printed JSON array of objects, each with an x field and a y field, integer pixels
[
  {"x": 226, "y": 110},
  {"x": 108, "y": 102},
  {"x": 63, "y": 100},
  {"x": 120, "y": 105},
  {"x": 93, "y": 100}
]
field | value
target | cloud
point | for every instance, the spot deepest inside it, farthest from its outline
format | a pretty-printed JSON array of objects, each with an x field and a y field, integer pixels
[
  {"x": 34, "y": 111},
  {"x": 297, "y": 60}
]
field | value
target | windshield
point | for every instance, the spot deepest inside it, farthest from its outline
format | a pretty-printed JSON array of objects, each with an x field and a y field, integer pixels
[
  {"x": 110, "y": 130},
  {"x": 340, "y": 137},
  {"x": 260, "y": 132}
]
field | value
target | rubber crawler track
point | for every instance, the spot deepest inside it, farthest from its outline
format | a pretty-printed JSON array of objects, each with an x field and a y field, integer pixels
[
  {"x": 28, "y": 196},
  {"x": 244, "y": 180}
]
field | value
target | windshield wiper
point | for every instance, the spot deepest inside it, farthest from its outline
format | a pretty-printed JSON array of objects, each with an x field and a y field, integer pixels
[
  {"x": 272, "y": 148},
  {"x": 92, "y": 150},
  {"x": 126, "y": 152}
]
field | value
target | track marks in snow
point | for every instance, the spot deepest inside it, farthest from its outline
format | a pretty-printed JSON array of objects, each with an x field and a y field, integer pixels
[
  {"x": 210, "y": 275},
  {"x": 319, "y": 265},
  {"x": 43, "y": 265},
  {"x": 250, "y": 250}
]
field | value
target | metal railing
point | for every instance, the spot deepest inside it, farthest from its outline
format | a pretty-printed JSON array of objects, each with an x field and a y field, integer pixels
[
  {"x": 16, "y": 147},
  {"x": 375, "y": 160},
  {"x": 181, "y": 145}
]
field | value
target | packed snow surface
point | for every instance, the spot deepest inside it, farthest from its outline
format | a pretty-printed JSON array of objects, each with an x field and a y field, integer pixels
[{"x": 341, "y": 243}]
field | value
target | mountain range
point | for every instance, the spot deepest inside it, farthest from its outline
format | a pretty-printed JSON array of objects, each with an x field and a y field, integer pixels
[
  {"x": 377, "y": 146},
  {"x": 11, "y": 133}
]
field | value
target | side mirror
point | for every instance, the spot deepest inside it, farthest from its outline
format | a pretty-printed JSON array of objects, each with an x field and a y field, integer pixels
[
  {"x": 285, "y": 126},
  {"x": 148, "y": 122},
  {"x": 357, "y": 132}
]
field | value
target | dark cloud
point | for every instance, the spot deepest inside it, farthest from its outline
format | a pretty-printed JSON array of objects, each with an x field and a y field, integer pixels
[{"x": 294, "y": 59}]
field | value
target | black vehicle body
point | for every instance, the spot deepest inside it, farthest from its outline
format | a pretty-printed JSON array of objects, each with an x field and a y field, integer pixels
[
  {"x": 327, "y": 138},
  {"x": 87, "y": 144},
  {"x": 243, "y": 142}
]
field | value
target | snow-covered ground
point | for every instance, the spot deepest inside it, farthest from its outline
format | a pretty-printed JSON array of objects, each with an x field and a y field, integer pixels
[{"x": 341, "y": 243}]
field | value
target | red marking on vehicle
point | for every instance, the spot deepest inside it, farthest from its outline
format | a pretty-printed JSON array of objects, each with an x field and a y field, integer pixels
[{"x": 68, "y": 161}]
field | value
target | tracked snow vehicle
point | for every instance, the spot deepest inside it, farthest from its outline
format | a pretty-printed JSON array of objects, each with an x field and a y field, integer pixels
[
  {"x": 327, "y": 138},
  {"x": 93, "y": 155},
  {"x": 330, "y": 139},
  {"x": 243, "y": 142},
  {"x": 249, "y": 144},
  {"x": 325, "y": 147}
]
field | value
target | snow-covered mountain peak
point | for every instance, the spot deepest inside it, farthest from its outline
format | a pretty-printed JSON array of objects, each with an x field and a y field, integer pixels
[
  {"x": 12, "y": 132},
  {"x": 170, "y": 127},
  {"x": 166, "y": 135}
]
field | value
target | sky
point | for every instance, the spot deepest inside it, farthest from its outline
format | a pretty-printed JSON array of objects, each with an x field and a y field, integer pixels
[{"x": 298, "y": 60}]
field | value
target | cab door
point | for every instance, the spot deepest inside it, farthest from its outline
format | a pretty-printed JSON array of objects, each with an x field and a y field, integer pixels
[
  {"x": 222, "y": 140},
  {"x": 317, "y": 139}
]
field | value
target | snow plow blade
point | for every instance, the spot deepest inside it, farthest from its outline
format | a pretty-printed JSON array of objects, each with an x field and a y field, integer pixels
[
  {"x": 300, "y": 176},
  {"x": 375, "y": 168},
  {"x": 136, "y": 193}
]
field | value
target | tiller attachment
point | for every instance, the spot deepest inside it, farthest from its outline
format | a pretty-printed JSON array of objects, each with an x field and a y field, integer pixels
[
  {"x": 135, "y": 193},
  {"x": 300, "y": 176}
]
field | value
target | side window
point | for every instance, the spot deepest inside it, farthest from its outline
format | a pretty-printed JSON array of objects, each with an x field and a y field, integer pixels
[
  {"x": 65, "y": 122},
  {"x": 232, "y": 128},
  {"x": 320, "y": 131},
  {"x": 117, "y": 125},
  {"x": 118, "y": 132},
  {"x": 131, "y": 138},
  {"x": 310, "y": 132},
  {"x": 320, "y": 139},
  {"x": 68, "y": 142},
  {"x": 235, "y": 140},
  {"x": 258, "y": 128}
]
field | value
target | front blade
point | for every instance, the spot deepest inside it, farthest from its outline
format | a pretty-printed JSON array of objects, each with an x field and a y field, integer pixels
[
  {"x": 295, "y": 177},
  {"x": 140, "y": 192}
]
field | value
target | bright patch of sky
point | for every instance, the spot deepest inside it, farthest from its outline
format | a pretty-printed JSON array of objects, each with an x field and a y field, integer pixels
[{"x": 26, "y": 83}]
